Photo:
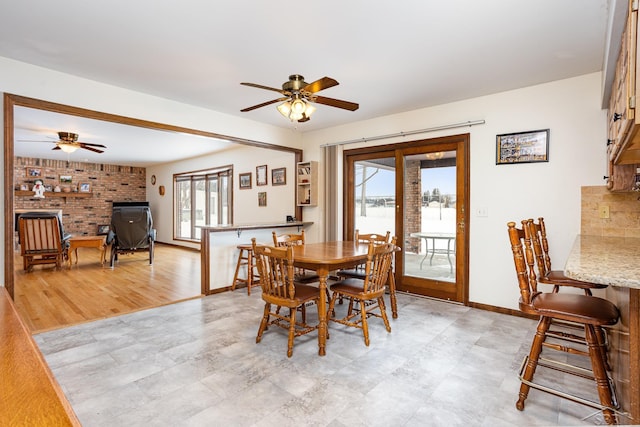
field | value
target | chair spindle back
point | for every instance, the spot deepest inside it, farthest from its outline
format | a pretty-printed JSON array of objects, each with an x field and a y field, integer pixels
[
  {"x": 524, "y": 262},
  {"x": 275, "y": 266},
  {"x": 377, "y": 267}
]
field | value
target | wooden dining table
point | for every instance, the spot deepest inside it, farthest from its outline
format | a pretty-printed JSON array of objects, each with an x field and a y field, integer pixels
[{"x": 323, "y": 258}]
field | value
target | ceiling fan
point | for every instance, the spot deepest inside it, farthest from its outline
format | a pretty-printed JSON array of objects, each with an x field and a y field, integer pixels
[
  {"x": 68, "y": 142},
  {"x": 298, "y": 96}
]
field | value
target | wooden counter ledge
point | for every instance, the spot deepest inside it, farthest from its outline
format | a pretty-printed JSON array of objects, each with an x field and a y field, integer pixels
[{"x": 29, "y": 394}]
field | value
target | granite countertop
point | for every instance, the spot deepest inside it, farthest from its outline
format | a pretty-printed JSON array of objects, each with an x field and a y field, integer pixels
[{"x": 605, "y": 260}]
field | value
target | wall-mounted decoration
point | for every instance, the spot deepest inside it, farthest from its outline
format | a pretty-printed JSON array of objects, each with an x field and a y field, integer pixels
[
  {"x": 279, "y": 176},
  {"x": 261, "y": 175},
  {"x": 262, "y": 199},
  {"x": 153, "y": 180},
  {"x": 161, "y": 190},
  {"x": 522, "y": 147},
  {"x": 245, "y": 180},
  {"x": 103, "y": 229},
  {"x": 34, "y": 172},
  {"x": 84, "y": 187},
  {"x": 66, "y": 179}
]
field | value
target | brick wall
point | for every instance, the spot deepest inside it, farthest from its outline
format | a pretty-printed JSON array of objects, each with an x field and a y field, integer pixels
[
  {"x": 412, "y": 205},
  {"x": 81, "y": 216},
  {"x": 624, "y": 213}
]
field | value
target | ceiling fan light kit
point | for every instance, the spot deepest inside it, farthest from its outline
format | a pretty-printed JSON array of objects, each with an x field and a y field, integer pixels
[
  {"x": 66, "y": 147},
  {"x": 299, "y": 96}
]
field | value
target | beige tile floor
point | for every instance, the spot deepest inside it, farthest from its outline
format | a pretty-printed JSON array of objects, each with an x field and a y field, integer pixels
[{"x": 196, "y": 363}]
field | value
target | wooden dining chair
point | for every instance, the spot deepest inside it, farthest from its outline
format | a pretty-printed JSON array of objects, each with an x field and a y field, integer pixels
[
  {"x": 284, "y": 240},
  {"x": 369, "y": 289},
  {"x": 358, "y": 271},
  {"x": 275, "y": 266},
  {"x": 546, "y": 275},
  {"x": 591, "y": 312}
]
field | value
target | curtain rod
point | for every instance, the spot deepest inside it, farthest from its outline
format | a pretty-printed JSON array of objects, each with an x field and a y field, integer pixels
[{"x": 413, "y": 132}]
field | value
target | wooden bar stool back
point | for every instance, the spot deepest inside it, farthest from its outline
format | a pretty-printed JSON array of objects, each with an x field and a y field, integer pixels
[
  {"x": 246, "y": 259},
  {"x": 543, "y": 261},
  {"x": 591, "y": 312}
]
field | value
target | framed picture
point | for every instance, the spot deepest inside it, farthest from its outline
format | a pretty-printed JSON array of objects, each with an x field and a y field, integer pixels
[
  {"x": 24, "y": 187},
  {"x": 522, "y": 147},
  {"x": 48, "y": 187},
  {"x": 262, "y": 198},
  {"x": 245, "y": 180},
  {"x": 103, "y": 229},
  {"x": 279, "y": 176},
  {"x": 65, "y": 179},
  {"x": 34, "y": 172},
  {"x": 261, "y": 175},
  {"x": 84, "y": 187}
]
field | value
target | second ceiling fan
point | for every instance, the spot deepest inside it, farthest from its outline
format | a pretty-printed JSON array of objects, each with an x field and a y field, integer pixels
[
  {"x": 68, "y": 142},
  {"x": 298, "y": 96}
]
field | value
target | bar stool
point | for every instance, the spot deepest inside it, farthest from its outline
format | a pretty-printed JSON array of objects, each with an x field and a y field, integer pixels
[
  {"x": 245, "y": 257},
  {"x": 591, "y": 312}
]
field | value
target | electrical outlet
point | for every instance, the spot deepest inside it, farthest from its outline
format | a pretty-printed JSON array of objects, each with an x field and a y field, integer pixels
[
  {"x": 482, "y": 212},
  {"x": 604, "y": 211}
]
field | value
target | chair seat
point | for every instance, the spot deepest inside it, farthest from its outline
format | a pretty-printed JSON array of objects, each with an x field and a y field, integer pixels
[
  {"x": 576, "y": 308},
  {"x": 306, "y": 278},
  {"x": 357, "y": 273},
  {"x": 353, "y": 288},
  {"x": 558, "y": 277},
  {"x": 303, "y": 294}
]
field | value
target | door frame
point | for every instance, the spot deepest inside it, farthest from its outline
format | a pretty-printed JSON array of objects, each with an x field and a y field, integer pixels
[{"x": 461, "y": 144}]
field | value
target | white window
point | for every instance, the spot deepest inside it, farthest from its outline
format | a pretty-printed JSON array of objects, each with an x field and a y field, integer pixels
[{"x": 202, "y": 198}]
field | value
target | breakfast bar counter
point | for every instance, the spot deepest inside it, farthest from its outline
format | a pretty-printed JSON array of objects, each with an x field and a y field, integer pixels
[
  {"x": 219, "y": 253},
  {"x": 614, "y": 261}
]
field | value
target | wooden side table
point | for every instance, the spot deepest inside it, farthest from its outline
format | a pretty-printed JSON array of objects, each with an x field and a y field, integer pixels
[{"x": 98, "y": 242}]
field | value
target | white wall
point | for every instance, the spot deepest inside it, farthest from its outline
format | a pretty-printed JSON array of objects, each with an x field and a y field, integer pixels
[
  {"x": 280, "y": 199},
  {"x": 569, "y": 108}
]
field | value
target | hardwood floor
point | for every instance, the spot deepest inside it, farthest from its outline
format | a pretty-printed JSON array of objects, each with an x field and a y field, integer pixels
[{"x": 50, "y": 298}]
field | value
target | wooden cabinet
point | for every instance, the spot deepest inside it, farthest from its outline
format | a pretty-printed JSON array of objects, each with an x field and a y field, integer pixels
[
  {"x": 307, "y": 184},
  {"x": 623, "y": 145}
]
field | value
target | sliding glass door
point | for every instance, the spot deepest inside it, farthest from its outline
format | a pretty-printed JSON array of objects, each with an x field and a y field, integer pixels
[{"x": 419, "y": 192}]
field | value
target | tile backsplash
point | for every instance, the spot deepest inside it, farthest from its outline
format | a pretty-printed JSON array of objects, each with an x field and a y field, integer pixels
[{"x": 624, "y": 212}]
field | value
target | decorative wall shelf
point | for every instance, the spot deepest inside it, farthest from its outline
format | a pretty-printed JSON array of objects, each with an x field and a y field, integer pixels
[
  {"x": 307, "y": 184},
  {"x": 20, "y": 193}
]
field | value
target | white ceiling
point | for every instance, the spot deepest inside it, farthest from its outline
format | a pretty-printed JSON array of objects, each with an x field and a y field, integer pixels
[{"x": 388, "y": 56}]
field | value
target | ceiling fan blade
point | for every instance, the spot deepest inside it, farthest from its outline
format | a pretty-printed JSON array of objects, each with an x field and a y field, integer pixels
[
  {"x": 284, "y": 92},
  {"x": 95, "y": 150},
  {"x": 56, "y": 148},
  {"x": 264, "y": 104},
  {"x": 91, "y": 145},
  {"x": 351, "y": 106},
  {"x": 320, "y": 84}
]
